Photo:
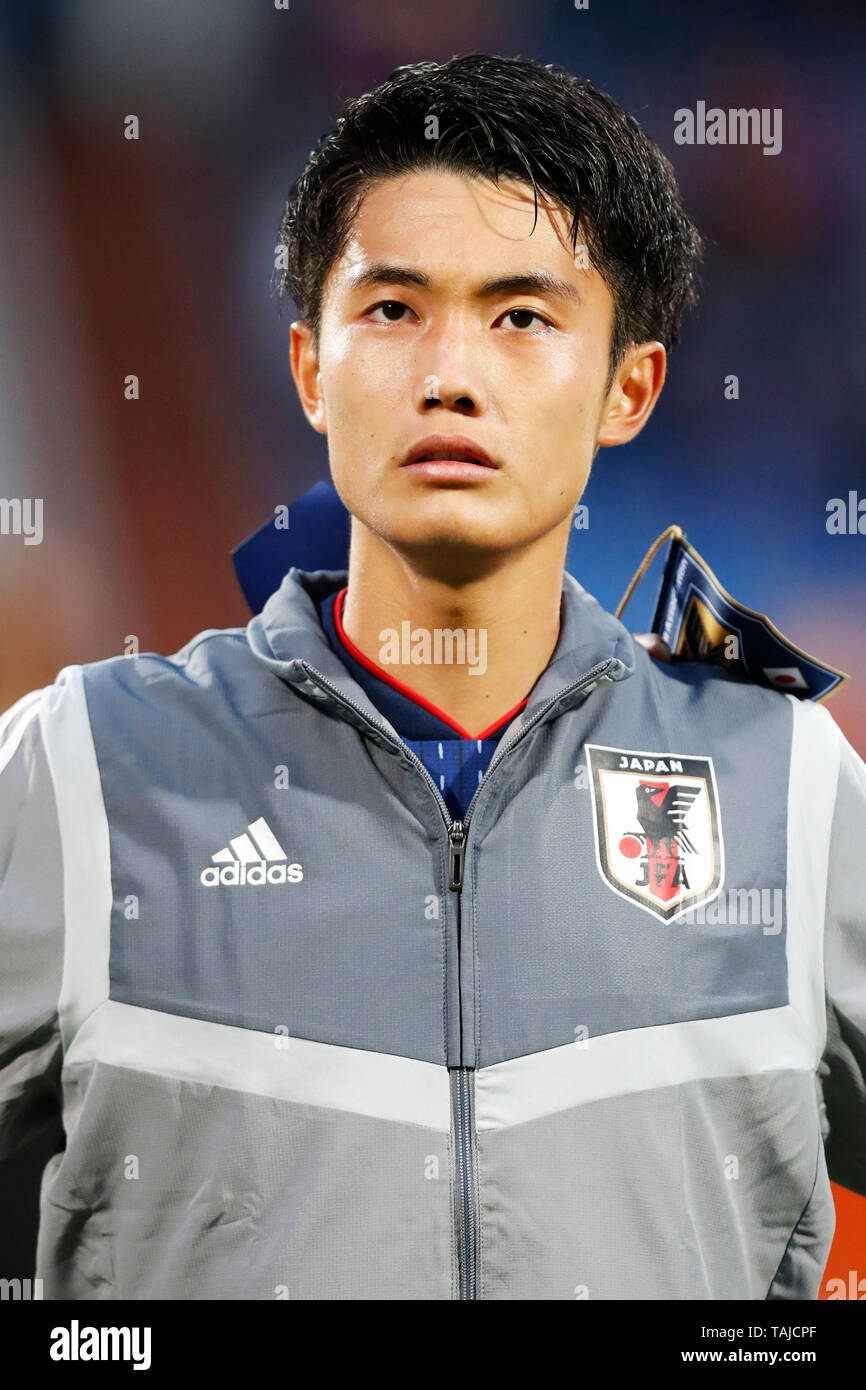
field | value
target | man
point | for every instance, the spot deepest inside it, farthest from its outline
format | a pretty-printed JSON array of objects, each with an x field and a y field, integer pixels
[{"x": 427, "y": 939}]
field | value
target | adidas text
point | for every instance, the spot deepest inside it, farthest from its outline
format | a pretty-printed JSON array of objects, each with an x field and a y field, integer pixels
[{"x": 250, "y": 875}]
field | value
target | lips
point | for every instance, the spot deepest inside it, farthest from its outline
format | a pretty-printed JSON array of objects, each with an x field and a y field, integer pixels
[{"x": 453, "y": 448}]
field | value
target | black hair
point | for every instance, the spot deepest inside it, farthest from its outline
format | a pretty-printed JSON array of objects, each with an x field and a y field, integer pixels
[{"x": 506, "y": 118}]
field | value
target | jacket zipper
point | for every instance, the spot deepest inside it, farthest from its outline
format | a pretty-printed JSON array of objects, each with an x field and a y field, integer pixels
[
  {"x": 462, "y": 1098},
  {"x": 462, "y": 1079},
  {"x": 465, "y": 1194}
]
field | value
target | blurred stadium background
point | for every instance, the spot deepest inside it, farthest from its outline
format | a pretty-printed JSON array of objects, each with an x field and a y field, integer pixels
[{"x": 154, "y": 257}]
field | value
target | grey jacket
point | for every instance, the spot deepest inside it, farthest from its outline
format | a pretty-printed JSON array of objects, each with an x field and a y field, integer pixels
[{"x": 312, "y": 1040}]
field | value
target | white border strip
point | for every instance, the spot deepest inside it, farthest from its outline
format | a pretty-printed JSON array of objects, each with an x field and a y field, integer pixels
[
  {"x": 816, "y": 752},
  {"x": 378, "y": 1084},
  {"x": 640, "y": 1059},
  {"x": 87, "y": 889}
]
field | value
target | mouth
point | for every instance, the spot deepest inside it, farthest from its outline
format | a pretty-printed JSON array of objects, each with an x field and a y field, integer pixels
[{"x": 441, "y": 450}]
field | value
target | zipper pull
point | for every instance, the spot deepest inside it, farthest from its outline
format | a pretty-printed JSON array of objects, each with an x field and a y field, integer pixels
[{"x": 457, "y": 838}]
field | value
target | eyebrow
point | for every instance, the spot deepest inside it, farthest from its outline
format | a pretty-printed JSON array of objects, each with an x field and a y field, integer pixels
[{"x": 539, "y": 282}]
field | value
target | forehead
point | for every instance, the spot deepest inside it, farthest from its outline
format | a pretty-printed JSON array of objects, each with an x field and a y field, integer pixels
[{"x": 454, "y": 225}]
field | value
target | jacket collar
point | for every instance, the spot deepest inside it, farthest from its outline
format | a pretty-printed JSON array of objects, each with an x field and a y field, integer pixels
[{"x": 287, "y": 634}]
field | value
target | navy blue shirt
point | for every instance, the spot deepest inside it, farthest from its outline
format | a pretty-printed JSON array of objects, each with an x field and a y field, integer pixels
[{"x": 455, "y": 761}]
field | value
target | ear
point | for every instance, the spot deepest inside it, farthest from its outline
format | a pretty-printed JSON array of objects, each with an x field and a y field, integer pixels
[
  {"x": 304, "y": 363},
  {"x": 633, "y": 393}
]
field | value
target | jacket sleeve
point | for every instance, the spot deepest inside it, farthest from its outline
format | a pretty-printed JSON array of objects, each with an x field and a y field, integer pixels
[
  {"x": 31, "y": 929},
  {"x": 843, "y": 1066}
]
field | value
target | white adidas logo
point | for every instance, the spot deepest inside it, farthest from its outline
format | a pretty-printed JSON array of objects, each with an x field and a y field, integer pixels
[{"x": 250, "y": 859}]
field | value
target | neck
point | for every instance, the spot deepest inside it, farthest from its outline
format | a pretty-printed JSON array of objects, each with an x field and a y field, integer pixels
[{"x": 478, "y": 645}]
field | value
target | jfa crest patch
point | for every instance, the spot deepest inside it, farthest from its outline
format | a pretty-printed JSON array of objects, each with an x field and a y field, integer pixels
[{"x": 658, "y": 834}]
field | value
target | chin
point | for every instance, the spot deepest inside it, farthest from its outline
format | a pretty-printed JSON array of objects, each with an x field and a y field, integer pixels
[{"x": 446, "y": 544}]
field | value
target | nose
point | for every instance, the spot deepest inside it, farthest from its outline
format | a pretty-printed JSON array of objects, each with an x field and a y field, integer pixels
[
  {"x": 451, "y": 394},
  {"x": 452, "y": 374}
]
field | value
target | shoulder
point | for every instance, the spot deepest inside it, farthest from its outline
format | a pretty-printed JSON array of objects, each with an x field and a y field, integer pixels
[
  {"x": 138, "y": 684},
  {"x": 698, "y": 691},
  {"x": 704, "y": 682},
  {"x": 196, "y": 663}
]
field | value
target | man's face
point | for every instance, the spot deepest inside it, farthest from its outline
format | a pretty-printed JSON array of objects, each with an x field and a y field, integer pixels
[{"x": 449, "y": 314}]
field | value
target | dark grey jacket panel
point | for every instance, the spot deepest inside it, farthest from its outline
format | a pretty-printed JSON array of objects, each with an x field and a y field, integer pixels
[
  {"x": 556, "y": 949},
  {"x": 219, "y": 743}
]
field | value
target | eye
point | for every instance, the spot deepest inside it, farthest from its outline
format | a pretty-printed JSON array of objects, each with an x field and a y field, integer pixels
[
  {"x": 391, "y": 310},
  {"x": 519, "y": 318}
]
